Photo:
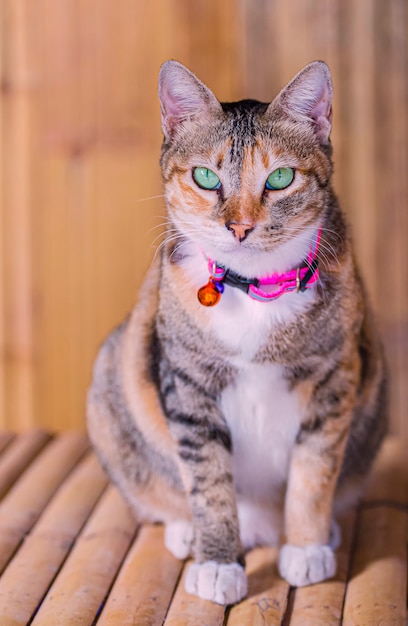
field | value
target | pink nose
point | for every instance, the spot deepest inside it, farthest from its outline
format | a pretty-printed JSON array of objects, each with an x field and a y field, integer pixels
[{"x": 241, "y": 230}]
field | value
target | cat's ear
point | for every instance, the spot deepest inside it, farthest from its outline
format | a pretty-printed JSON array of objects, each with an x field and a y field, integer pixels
[
  {"x": 308, "y": 97},
  {"x": 183, "y": 96}
]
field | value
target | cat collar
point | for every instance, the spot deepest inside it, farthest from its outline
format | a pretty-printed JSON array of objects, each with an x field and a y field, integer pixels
[{"x": 299, "y": 279}]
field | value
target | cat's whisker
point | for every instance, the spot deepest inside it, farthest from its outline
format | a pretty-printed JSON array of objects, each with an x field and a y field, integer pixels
[
  {"x": 150, "y": 198},
  {"x": 174, "y": 231},
  {"x": 178, "y": 247},
  {"x": 165, "y": 232},
  {"x": 324, "y": 256},
  {"x": 157, "y": 238},
  {"x": 323, "y": 241},
  {"x": 168, "y": 230},
  {"x": 173, "y": 236},
  {"x": 301, "y": 229},
  {"x": 328, "y": 245},
  {"x": 165, "y": 217},
  {"x": 162, "y": 226},
  {"x": 332, "y": 232},
  {"x": 162, "y": 245},
  {"x": 170, "y": 239},
  {"x": 328, "y": 252}
]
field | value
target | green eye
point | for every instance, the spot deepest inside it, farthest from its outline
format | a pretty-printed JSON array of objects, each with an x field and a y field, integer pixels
[
  {"x": 205, "y": 178},
  {"x": 280, "y": 178}
]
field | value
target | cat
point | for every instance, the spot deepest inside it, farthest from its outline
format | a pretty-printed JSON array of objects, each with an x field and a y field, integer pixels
[{"x": 244, "y": 399}]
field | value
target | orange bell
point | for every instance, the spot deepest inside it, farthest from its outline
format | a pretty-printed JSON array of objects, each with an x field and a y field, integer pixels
[{"x": 209, "y": 294}]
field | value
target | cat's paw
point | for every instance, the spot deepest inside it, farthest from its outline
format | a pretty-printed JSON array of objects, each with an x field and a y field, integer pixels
[
  {"x": 178, "y": 537},
  {"x": 306, "y": 565},
  {"x": 223, "y": 583}
]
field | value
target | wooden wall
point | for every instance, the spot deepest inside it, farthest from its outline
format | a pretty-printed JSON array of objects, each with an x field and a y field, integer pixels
[{"x": 80, "y": 185}]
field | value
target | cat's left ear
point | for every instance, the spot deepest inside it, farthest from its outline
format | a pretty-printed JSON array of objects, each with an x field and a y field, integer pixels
[
  {"x": 308, "y": 98},
  {"x": 183, "y": 97}
]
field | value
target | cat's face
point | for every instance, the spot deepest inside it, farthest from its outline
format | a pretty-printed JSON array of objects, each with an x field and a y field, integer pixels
[{"x": 244, "y": 178}]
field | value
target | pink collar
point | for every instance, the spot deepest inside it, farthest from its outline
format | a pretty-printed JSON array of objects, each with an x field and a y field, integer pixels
[{"x": 299, "y": 279}]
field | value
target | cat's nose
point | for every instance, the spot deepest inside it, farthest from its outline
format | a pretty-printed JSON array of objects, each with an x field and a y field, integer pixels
[{"x": 240, "y": 230}]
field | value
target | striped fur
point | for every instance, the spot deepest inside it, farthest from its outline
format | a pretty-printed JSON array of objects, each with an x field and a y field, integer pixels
[{"x": 248, "y": 422}]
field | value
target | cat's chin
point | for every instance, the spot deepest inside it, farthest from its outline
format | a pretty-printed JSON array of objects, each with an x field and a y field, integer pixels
[{"x": 248, "y": 261}]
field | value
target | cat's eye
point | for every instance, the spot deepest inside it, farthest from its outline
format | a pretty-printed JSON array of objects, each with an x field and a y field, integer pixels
[
  {"x": 205, "y": 178},
  {"x": 280, "y": 178}
]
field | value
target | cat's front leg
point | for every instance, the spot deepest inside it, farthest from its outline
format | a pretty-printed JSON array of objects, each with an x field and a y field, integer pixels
[
  {"x": 307, "y": 556},
  {"x": 205, "y": 464},
  {"x": 217, "y": 573}
]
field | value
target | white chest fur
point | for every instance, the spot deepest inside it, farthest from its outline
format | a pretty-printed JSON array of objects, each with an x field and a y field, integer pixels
[
  {"x": 243, "y": 325},
  {"x": 263, "y": 417}
]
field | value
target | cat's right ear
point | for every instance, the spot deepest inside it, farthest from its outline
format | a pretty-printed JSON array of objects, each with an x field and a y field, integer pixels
[{"x": 183, "y": 97}]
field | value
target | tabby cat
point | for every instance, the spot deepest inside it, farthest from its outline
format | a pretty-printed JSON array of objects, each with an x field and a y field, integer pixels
[{"x": 243, "y": 400}]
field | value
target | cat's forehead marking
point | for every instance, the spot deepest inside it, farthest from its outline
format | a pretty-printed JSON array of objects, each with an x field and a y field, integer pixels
[
  {"x": 242, "y": 131},
  {"x": 265, "y": 158},
  {"x": 258, "y": 160},
  {"x": 223, "y": 152}
]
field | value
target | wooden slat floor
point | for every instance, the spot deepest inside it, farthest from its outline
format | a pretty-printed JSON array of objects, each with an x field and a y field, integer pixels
[{"x": 70, "y": 552}]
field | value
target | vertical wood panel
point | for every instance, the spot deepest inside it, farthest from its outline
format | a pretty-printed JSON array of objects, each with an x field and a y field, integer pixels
[
  {"x": 2, "y": 220},
  {"x": 214, "y": 51},
  {"x": 360, "y": 195},
  {"x": 80, "y": 148},
  {"x": 391, "y": 268},
  {"x": 97, "y": 164},
  {"x": 16, "y": 234}
]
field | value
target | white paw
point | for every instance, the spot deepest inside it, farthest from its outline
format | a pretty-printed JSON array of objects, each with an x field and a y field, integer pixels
[
  {"x": 306, "y": 565},
  {"x": 178, "y": 537},
  {"x": 223, "y": 583}
]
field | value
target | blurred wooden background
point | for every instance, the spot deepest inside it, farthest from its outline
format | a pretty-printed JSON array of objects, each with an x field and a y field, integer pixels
[{"x": 80, "y": 141}]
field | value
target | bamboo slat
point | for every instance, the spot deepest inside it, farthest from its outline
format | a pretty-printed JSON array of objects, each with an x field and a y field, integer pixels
[
  {"x": 267, "y": 592},
  {"x": 143, "y": 590},
  {"x": 187, "y": 610},
  {"x": 322, "y": 605},
  {"x": 5, "y": 439},
  {"x": 388, "y": 481},
  {"x": 24, "y": 503},
  {"x": 91, "y": 567},
  {"x": 29, "y": 575},
  {"x": 18, "y": 455},
  {"x": 378, "y": 577}
]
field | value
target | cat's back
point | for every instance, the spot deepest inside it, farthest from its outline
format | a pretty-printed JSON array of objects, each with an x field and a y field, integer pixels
[{"x": 126, "y": 345}]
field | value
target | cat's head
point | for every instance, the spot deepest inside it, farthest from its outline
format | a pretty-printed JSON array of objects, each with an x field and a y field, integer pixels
[{"x": 242, "y": 179}]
